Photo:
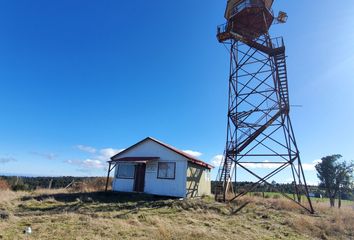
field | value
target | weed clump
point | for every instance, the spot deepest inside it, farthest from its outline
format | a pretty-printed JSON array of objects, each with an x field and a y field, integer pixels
[
  {"x": 4, "y": 185},
  {"x": 4, "y": 215}
]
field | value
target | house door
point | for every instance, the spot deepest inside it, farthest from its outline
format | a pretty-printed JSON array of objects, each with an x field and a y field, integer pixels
[{"x": 139, "y": 180}]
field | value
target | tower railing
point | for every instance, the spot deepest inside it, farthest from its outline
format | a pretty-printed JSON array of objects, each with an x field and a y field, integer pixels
[
  {"x": 248, "y": 4},
  {"x": 222, "y": 28},
  {"x": 276, "y": 42}
]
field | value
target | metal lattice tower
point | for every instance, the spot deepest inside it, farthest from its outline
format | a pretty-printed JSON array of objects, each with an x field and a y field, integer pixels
[{"x": 259, "y": 130}]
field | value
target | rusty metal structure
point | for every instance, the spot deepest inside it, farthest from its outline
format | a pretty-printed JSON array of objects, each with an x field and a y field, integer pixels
[{"x": 259, "y": 130}]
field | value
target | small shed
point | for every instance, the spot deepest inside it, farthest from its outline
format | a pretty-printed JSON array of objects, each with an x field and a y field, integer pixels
[{"x": 153, "y": 167}]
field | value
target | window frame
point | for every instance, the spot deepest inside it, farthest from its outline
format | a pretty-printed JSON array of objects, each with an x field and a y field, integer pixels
[
  {"x": 119, "y": 165},
  {"x": 167, "y": 178}
]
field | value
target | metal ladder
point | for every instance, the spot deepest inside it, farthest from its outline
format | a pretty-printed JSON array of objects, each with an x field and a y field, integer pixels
[
  {"x": 280, "y": 65},
  {"x": 224, "y": 178}
]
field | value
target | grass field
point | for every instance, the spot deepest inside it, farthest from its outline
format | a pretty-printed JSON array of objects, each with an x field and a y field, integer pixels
[
  {"x": 59, "y": 214},
  {"x": 314, "y": 199}
]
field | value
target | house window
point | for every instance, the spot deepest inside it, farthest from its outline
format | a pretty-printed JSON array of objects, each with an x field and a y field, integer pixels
[
  {"x": 166, "y": 170},
  {"x": 126, "y": 171}
]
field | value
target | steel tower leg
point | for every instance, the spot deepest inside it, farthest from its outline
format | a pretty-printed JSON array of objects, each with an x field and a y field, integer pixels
[{"x": 259, "y": 132}]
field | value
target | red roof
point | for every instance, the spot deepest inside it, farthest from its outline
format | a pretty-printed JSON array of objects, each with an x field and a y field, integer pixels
[
  {"x": 180, "y": 152},
  {"x": 135, "y": 159}
]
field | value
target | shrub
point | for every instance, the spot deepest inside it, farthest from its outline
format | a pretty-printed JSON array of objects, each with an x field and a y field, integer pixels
[
  {"x": 276, "y": 196},
  {"x": 4, "y": 185},
  {"x": 257, "y": 194},
  {"x": 4, "y": 215},
  {"x": 91, "y": 184},
  {"x": 20, "y": 187}
]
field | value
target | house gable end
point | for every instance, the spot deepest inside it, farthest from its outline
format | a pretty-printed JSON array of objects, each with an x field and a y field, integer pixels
[{"x": 149, "y": 147}]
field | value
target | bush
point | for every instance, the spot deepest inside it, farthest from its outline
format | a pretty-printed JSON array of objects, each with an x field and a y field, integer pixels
[
  {"x": 4, "y": 215},
  {"x": 91, "y": 184},
  {"x": 276, "y": 196},
  {"x": 257, "y": 194},
  {"x": 20, "y": 187},
  {"x": 4, "y": 185}
]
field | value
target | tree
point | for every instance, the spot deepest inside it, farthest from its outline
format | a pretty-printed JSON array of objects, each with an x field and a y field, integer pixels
[
  {"x": 344, "y": 179},
  {"x": 334, "y": 176}
]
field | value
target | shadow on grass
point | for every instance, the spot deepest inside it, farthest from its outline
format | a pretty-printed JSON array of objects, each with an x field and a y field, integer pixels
[
  {"x": 100, "y": 197},
  {"x": 91, "y": 202}
]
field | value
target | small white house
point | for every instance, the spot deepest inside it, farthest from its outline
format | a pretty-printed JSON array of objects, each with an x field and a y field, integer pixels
[{"x": 153, "y": 167}]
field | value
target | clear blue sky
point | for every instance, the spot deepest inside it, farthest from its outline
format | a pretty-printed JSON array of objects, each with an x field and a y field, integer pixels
[{"x": 82, "y": 79}]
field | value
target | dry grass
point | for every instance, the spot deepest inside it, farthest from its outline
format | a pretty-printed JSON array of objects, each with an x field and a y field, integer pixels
[
  {"x": 326, "y": 223},
  {"x": 60, "y": 214},
  {"x": 90, "y": 185}
]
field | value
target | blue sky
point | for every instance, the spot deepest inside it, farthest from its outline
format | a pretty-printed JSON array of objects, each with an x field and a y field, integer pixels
[{"x": 81, "y": 80}]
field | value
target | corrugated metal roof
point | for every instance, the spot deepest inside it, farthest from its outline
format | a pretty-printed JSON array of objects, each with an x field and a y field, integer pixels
[{"x": 135, "y": 159}]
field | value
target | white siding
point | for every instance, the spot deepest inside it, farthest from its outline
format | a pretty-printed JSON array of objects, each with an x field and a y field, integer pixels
[
  {"x": 167, "y": 187},
  {"x": 121, "y": 184}
]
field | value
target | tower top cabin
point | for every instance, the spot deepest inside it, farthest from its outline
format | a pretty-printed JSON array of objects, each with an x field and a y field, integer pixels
[{"x": 249, "y": 18}]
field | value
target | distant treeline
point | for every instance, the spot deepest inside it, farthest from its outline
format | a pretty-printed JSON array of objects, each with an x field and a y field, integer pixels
[
  {"x": 32, "y": 183},
  {"x": 283, "y": 187},
  {"x": 288, "y": 188}
]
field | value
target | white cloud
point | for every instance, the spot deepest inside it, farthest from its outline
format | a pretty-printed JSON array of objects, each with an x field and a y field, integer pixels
[
  {"x": 107, "y": 153},
  {"x": 92, "y": 163},
  {"x": 311, "y": 166},
  {"x": 49, "y": 156},
  {"x": 86, "y": 148},
  {"x": 70, "y": 161},
  {"x": 308, "y": 167},
  {"x": 265, "y": 165},
  {"x": 7, "y": 159},
  {"x": 317, "y": 161},
  {"x": 88, "y": 163},
  {"x": 217, "y": 159},
  {"x": 97, "y": 160},
  {"x": 193, "y": 153}
]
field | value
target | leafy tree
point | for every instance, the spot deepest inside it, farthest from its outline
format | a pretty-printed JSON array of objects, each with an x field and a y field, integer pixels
[
  {"x": 344, "y": 179},
  {"x": 334, "y": 176}
]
